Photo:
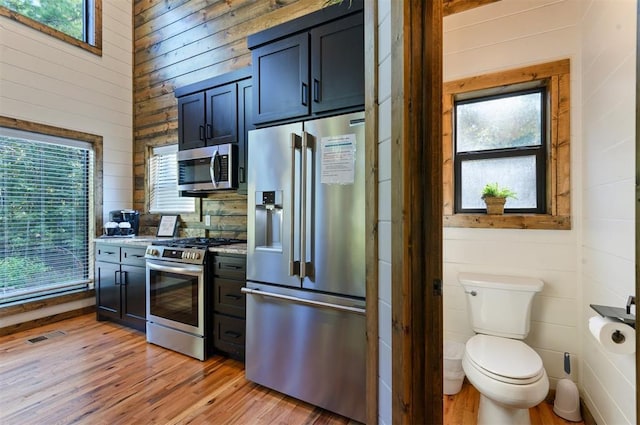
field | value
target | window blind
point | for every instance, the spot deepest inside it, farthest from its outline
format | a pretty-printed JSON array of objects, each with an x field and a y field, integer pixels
[
  {"x": 45, "y": 204},
  {"x": 164, "y": 196}
]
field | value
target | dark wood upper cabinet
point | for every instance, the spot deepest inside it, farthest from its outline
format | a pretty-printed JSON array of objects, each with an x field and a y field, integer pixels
[
  {"x": 191, "y": 119},
  {"x": 310, "y": 67},
  {"x": 208, "y": 111},
  {"x": 337, "y": 64},
  {"x": 222, "y": 116},
  {"x": 281, "y": 75},
  {"x": 245, "y": 123}
]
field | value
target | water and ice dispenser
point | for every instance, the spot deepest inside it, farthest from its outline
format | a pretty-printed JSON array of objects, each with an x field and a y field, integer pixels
[{"x": 268, "y": 233}]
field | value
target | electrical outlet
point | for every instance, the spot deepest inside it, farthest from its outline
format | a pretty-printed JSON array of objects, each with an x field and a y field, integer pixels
[{"x": 207, "y": 220}]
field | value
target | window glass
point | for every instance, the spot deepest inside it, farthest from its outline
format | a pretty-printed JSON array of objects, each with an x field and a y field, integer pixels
[
  {"x": 45, "y": 203},
  {"x": 67, "y": 16},
  {"x": 516, "y": 173},
  {"x": 163, "y": 182},
  {"x": 500, "y": 139},
  {"x": 503, "y": 122}
]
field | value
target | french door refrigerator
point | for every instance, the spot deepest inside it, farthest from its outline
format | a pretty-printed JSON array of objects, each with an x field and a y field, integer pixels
[{"x": 305, "y": 290}]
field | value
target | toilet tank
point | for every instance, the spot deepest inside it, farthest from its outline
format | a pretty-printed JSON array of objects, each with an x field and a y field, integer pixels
[{"x": 500, "y": 305}]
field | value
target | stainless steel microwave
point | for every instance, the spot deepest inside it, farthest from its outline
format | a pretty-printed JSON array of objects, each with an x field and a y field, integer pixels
[{"x": 208, "y": 169}]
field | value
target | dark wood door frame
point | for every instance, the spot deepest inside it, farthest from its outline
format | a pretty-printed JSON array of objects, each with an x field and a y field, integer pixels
[{"x": 416, "y": 227}]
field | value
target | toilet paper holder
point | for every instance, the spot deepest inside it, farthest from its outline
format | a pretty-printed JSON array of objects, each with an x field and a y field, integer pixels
[{"x": 623, "y": 315}]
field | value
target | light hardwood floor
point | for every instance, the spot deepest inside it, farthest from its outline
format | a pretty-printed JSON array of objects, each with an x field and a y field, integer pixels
[{"x": 102, "y": 373}]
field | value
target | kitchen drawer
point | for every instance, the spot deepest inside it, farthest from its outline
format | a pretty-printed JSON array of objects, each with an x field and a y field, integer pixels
[
  {"x": 108, "y": 253},
  {"x": 229, "y": 335},
  {"x": 228, "y": 297},
  {"x": 133, "y": 256},
  {"x": 231, "y": 267}
]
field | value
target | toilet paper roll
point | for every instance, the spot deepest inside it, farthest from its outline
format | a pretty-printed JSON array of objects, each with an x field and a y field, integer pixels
[{"x": 616, "y": 337}]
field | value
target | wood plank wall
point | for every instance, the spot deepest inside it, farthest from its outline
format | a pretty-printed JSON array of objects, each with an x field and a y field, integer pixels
[{"x": 180, "y": 42}]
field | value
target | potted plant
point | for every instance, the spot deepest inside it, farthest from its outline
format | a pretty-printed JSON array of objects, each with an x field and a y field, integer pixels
[{"x": 495, "y": 197}]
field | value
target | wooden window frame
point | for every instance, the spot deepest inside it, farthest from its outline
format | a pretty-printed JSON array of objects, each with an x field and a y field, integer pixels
[
  {"x": 556, "y": 76},
  {"x": 95, "y": 37}
]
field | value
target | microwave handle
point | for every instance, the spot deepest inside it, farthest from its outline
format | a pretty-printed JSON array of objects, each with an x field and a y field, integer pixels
[{"x": 214, "y": 168}]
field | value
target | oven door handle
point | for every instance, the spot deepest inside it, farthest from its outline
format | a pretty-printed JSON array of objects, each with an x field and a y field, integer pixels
[{"x": 183, "y": 269}]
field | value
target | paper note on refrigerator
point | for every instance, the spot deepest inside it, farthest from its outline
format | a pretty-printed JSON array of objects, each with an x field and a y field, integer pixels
[{"x": 338, "y": 159}]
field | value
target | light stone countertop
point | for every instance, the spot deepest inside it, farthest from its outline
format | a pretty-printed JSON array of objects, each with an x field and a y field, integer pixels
[
  {"x": 143, "y": 241},
  {"x": 236, "y": 248}
]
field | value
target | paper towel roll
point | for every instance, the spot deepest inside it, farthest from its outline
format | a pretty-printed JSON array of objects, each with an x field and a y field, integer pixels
[{"x": 616, "y": 337}]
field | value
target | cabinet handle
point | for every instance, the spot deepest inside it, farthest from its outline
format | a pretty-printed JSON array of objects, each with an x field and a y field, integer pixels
[
  {"x": 305, "y": 93},
  {"x": 229, "y": 266},
  {"x": 123, "y": 282},
  {"x": 201, "y": 128},
  {"x": 232, "y": 334},
  {"x": 107, "y": 252},
  {"x": 233, "y": 297},
  {"x": 316, "y": 90},
  {"x": 241, "y": 174},
  {"x": 209, "y": 131},
  {"x": 115, "y": 277}
]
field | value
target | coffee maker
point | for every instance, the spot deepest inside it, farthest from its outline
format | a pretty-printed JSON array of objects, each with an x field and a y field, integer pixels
[{"x": 120, "y": 217}]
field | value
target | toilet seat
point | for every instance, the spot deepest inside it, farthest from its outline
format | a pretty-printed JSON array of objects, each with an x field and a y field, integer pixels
[{"x": 505, "y": 360}]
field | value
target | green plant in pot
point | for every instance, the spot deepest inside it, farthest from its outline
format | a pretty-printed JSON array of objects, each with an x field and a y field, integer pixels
[{"x": 495, "y": 197}]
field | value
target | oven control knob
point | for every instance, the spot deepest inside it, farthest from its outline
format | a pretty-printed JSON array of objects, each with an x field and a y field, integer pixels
[
  {"x": 152, "y": 252},
  {"x": 196, "y": 255}
]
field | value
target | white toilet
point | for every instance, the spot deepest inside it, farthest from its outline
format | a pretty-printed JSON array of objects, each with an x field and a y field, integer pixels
[{"x": 508, "y": 373}]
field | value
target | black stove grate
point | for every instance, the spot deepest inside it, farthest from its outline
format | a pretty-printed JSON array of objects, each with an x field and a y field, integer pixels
[{"x": 198, "y": 242}]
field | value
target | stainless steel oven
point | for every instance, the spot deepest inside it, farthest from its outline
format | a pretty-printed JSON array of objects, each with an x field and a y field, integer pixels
[{"x": 179, "y": 290}]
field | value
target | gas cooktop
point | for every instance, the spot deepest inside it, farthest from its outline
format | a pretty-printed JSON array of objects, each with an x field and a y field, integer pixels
[{"x": 197, "y": 242}]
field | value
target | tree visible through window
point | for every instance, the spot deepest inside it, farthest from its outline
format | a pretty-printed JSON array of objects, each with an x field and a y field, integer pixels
[
  {"x": 501, "y": 139},
  {"x": 45, "y": 204},
  {"x": 75, "y": 21}
]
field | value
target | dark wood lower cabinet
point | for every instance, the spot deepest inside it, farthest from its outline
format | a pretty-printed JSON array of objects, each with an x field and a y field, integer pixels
[
  {"x": 120, "y": 284},
  {"x": 229, "y": 305}
]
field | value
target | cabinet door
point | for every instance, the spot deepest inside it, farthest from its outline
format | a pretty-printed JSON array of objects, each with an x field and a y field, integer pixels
[
  {"x": 229, "y": 335},
  {"x": 245, "y": 123},
  {"x": 337, "y": 64},
  {"x": 228, "y": 297},
  {"x": 191, "y": 121},
  {"x": 134, "y": 296},
  {"x": 108, "y": 289},
  {"x": 222, "y": 115},
  {"x": 281, "y": 79}
]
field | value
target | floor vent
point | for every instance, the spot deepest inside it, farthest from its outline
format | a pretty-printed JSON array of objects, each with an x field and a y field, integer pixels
[{"x": 45, "y": 337}]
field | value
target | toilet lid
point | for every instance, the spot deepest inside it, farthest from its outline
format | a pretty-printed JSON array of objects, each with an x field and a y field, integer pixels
[{"x": 508, "y": 360}]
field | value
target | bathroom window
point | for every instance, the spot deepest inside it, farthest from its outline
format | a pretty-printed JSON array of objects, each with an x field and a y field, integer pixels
[
  {"x": 501, "y": 139},
  {"x": 510, "y": 128},
  {"x": 78, "y": 22}
]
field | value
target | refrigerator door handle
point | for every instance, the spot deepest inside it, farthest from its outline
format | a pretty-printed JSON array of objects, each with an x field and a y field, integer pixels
[
  {"x": 339, "y": 307},
  {"x": 303, "y": 207},
  {"x": 294, "y": 266}
]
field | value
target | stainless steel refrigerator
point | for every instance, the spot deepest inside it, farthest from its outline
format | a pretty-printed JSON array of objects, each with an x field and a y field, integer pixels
[{"x": 305, "y": 289}]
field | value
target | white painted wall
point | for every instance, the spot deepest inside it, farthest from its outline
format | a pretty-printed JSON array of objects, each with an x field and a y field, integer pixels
[
  {"x": 500, "y": 36},
  {"x": 608, "y": 246},
  {"x": 384, "y": 211},
  {"x": 48, "y": 81}
]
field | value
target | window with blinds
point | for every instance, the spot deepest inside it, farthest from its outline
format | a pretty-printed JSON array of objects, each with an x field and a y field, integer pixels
[
  {"x": 45, "y": 203},
  {"x": 164, "y": 196}
]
